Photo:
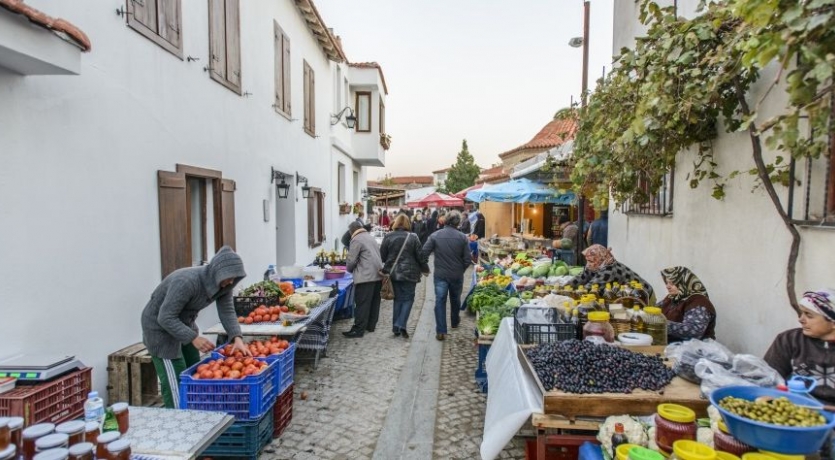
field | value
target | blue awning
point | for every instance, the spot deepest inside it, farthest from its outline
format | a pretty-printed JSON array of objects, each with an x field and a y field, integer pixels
[{"x": 521, "y": 191}]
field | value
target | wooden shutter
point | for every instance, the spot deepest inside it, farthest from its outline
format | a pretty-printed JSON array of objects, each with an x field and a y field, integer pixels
[
  {"x": 285, "y": 43},
  {"x": 278, "y": 55},
  {"x": 143, "y": 12},
  {"x": 311, "y": 222},
  {"x": 312, "y": 93},
  {"x": 227, "y": 214},
  {"x": 306, "y": 97},
  {"x": 233, "y": 43},
  {"x": 170, "y": 14},
  {"x": 320, "y": 216},
  {"x": 217, "y": 39},
  {"x": 175, "y": 247}
]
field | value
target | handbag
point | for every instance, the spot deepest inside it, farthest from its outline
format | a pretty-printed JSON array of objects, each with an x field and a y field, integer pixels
[{"x": 387, "y": 291}]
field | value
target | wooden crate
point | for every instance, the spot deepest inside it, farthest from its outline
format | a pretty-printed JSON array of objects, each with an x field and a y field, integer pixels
[{"x": 132, "y": 378}]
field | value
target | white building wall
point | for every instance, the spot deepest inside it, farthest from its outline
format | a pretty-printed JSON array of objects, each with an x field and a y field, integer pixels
[
  {"x": 78, "y": 187},
  {"x": 738, "y": 247}
]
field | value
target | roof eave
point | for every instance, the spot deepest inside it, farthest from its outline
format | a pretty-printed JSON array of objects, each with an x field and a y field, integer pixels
[{"x": 317, "y": 27}]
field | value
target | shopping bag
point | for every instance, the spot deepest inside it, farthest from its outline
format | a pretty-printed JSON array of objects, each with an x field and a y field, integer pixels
[{"x": 387, "y": 291}]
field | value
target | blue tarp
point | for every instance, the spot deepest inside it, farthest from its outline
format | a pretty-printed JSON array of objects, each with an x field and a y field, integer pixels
[{"x": 521, "y": 191}]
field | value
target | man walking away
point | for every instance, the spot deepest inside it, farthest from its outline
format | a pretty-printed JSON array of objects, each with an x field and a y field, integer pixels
[
  {"x": 452, "y": 257},
  {"x": 465, "y": 224},
  {"x": 599, "y": 230}
]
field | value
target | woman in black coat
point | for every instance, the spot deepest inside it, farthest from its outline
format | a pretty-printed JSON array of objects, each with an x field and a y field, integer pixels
[
  {"x": 406, "y": 274},
  {"x": 432, "y": 223}
]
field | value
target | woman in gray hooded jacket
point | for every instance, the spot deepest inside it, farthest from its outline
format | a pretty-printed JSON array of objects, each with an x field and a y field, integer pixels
[{"x": 168, "y": 320}]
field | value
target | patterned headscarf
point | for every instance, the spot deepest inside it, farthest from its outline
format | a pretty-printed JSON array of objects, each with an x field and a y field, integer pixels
[
  {"x": 686, "y": 282},
  {"x": 600, "y": 257},
  {"x": 821, "y": 301}
]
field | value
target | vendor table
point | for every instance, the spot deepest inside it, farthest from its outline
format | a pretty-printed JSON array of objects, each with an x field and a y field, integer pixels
[
  {"x": 174, "y": 433},
  {"x": 344, "y": 307}
]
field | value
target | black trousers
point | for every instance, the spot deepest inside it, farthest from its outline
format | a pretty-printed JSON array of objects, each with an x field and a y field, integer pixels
[{"x": 367, "y": 299}]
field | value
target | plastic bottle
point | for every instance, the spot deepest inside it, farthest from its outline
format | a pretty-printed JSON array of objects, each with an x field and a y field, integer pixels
[
  {"x": 618, "y": 438},
  {"x": 94, "y": 408},
  {"x": 269, "y": 273},
  {"x": 637, "y": 320}
]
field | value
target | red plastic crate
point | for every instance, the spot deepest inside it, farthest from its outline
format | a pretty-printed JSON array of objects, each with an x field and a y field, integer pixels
[
  {"x": 49, "y": 402},
  {"x": 557, "y": 446},
  {"x": 283, "y": 412}
]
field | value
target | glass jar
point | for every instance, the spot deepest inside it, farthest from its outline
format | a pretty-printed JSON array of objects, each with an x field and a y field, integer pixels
[
  {"x": 52, "y": 441},
  {"x": 598, "y": 324},
  {"x": 674, "y": 423},
  {"x": 686, "y": 449},
  {"x": 5, "y": 433},
  {"x": 120, "y": 410},
  {"x": 642, "y": 453},
  {"x": 103, "y": 440},
  {"x": 8, "y": 453},
  {"x": 31, "y": 435},
  {"x": 119, "y": 450},
  {"x": 61, "y": 453},
  {"x": 15, "y": 432},
  {"x": 82, "y": 451},
  {"x": 724, "y": 441},
  {"x": 655, "y": 324},
  {"x": 91, "y": 432},
  {"x": 74, "y": 429}
]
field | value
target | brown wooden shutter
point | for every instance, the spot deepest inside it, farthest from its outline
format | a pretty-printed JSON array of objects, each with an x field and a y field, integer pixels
[
  {"x": 217, "y": 38},
  {"x": 320, "y": 215},
  {"x": 312, "y": 102},
  {"x": 143, "y": 12},
  {"x": 278, "y": 55},
  {"x": 306, "y": 97},
  {"x": 227, "y": 211},
  {"x": 169, "y": 20},
  {"x": 175, "y": 247},
  {"x": 233, "y": 43},
  {"x": 311, "y": 216},
  {"x": 285, "y": 43}
]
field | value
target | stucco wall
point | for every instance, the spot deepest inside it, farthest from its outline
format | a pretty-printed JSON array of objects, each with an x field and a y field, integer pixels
[{"x": 78, "y": 189}]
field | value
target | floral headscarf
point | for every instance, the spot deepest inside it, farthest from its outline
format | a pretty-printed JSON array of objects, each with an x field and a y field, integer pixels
[
  {"x": 821, "y": 301},
  {"x": 686, "y": 281},
  {"x": 598, "y": 257}
]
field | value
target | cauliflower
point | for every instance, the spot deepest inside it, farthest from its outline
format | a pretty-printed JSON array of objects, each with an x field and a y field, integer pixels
[
  {"x": 632, "y": 428},
  {"x": 652, "y": 444},
  {"x": 715, "y": 417},
  {"x": 705, "y": 436}
]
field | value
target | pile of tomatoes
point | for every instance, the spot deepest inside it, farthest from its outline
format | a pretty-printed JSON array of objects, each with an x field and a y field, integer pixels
[
  {"x": 259, "y": 349},
  {"x": 229, "y": 368},
  {"x": 263, "y": 314}
]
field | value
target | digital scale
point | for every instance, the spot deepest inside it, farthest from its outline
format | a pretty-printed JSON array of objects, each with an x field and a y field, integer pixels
[{"x": 38, "y": 367}]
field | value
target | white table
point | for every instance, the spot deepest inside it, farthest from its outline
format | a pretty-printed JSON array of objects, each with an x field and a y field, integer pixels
[
  {"x": 157, "y": 433},
  {"x": 278, "y": 329}
]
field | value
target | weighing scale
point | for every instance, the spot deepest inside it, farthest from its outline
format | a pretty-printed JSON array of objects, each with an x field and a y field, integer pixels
[{"x": 39, "y": 367}]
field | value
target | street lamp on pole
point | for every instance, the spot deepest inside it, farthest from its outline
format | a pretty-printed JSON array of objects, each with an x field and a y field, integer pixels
[{"x": 577, "y": 42}]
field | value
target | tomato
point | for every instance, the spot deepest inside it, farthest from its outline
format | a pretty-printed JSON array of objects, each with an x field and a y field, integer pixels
[
  {"x": 196, "y": 375},
  {"x": 238, "y": 354},
  {"x": 237, "y": 366},
  {"x": 207, "y": 375},
  {"x": 248, "y": 361},
  {"x": 257, "y": 318},
  {"x": 202, "y": 367},
  {"x": 273, "y": 318},
  {"x": 235, "y": 374},
  {"x": 218, "y": 375},
  {"x": 248, "y": 321},
  {"x": 241, "y": 319},
  {"x": 274, "y": 338},
  {"x": 228, "y": 361},
  {"x": 285, "y": 309}
]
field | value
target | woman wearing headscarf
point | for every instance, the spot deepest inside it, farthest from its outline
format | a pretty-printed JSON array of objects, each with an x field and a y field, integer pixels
[
  {"x": 690, "y": 314},
  {"x": 601, "y": 268},
  {"x": 809, "y": 350}
]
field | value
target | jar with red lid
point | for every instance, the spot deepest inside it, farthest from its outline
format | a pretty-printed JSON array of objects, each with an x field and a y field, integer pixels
[
  {"x": 598, "y": 325},
  {"x": 16, "y": 430},
  {"x": 31, "y": 435},
  {"x": 120, "y": 410},
  {"x": 74, "y": 429},
  {"x": 674, "y": 423},
  {"x": 725, "y": 442}
]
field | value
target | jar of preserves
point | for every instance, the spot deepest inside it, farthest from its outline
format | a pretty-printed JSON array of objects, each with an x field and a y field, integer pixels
[
  {"x": 74, "y": 429},
  {"x": 61, "y": 453},
  {"x": 642, "y": 453},
  {"x": 82, "y": 451},
  {"x": 655, "y": 324},
  {"x": 31, "y": 435},
  {"x": 91, "y": 432},
  {"x": 598, "y": 324},
  {"x": 15, "y": 432},
  {"x": 686, "y": 449},
  {"x": 721, "y": 455},
  {"x": 674, "y": 423},
  {"x": 119, "y": 450},
  {"x": 757, "y": 456},
  {"x": 120, "y": 410},
  {"x": 103, "y": 440},
  {"x": 5, "y": 433},
  {"x": 783, "y": 456},
  {"x": 52, "y": 441},
  {"x": 724, "y": 441},
  {"x": 8, "y": 453}
]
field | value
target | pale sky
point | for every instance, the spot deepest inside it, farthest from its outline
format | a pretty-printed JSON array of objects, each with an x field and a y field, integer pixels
[{"x": 493, "y": 72}]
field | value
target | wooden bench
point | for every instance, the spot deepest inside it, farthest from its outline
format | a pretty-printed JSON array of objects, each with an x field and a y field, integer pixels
[{"x": 132, "y": 378}]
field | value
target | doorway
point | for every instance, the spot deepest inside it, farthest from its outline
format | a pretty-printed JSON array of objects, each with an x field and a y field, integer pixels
[{"x": 285, "y": 229}]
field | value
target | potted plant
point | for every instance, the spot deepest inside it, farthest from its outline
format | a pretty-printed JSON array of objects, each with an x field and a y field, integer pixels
[
  {"x": 344, "y": 207},
  {"x": 385, "y": 141},
  {"x": 357, "y": 207}
]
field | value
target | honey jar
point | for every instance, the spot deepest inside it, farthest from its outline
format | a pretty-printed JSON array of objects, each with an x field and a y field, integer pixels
[
  {"x": 673, "y": 423},
  {"x": 74, "y": 429},
  {"x": 52, "y": 441},
  {"x": 15, "y": 430},
  {"x": 103, "y": 440},
  {"x": 81, "y": 451},
  {"x": 8, "y": 453},
  {"x": 119, "y": 450},
  {"x": 31, "y": 435},
  {"x": 91, "y": 432},
  {"x": 60, "y": 453},
  {"x": 120, "y": 410},
  {"x": 5, "y": 433}
]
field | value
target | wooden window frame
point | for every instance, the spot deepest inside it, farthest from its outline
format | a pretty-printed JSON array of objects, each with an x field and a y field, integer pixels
[
  {"x": 309, "y": 100},
  {"x": 154, "y": 33},
  {"x": 219, "y": 69},
  {"x": 283, "y": 94},
  {"x": 382, "y": 117},
  {"x": 316, "y": 214},
  {"x": 359, "y": 114},
  {"x": 810, "y": 202}
]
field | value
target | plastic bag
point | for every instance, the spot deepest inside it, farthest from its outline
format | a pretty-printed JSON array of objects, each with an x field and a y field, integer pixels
[
  {"x": 746, "y": 370},
  {"x": 687, "y": 354},
  {"x": 536, "y": 315},
  {"x": 715, "y": 376}
]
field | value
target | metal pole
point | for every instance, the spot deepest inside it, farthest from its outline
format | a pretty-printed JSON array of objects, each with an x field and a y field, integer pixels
[{"x": 578, "y": 247}]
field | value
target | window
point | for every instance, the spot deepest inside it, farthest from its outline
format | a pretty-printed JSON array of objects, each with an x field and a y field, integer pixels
[
  {"x": 282, "y": 70},
  {"x": 812, "y": 196},
  {"x": 382, "y": 117},
  {"x": 196, "y": 212},
  {"x": 659, "y": 203},
  {"x": 340, "y": 183},
  {"x": 363, "y": 106},
  {"x": 225, "y": 43},
  {"x": 309, "y": 100},
  {"x": 315, "y": 218},
  {"x": 158, "y": 20}
]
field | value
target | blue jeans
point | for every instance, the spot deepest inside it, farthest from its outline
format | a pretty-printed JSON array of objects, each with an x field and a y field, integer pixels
[
  {"x": 443, "y": 287},
  {"x": 404, "y": 298}
]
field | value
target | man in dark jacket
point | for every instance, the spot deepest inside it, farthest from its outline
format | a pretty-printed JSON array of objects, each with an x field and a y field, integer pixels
[
  {"x": 452, "y": 257},
  {"x": 168, "y": 320},
  {"x": 478, "y": 228}
]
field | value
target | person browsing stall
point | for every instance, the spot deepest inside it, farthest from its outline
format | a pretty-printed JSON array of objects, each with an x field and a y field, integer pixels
[
  {"x": 168, "y": 323},
  {"x": 601, "y": 268},
  {"x": 364, "y": 263},
  {"x": 689, "y": 312}
]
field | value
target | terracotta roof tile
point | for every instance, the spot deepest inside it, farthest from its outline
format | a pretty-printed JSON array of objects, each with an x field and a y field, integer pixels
[
  {"x": 553, "y": 134},
  {"x": 371, "y": 65},
  {"x": 501, "y": 177},
  {"x": 442, "y": 170},
  {"x": 329, "y": 44},
  {"x": 57, "y": 25},
  {"x": 491, "y": 171},
  {"x": 402, "y": 180}
]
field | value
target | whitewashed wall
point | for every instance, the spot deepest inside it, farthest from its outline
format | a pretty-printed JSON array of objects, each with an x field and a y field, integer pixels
[
  {"x": 738, "y": 247},
  {"x": 79, "y": 228}
]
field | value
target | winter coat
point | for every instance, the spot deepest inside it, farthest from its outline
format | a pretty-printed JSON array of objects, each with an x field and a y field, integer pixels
[
  {"x": 364, "y": 261},
  {"x": 452, "y": 253},
  {"x": 420, "y": 229},
  {"x": 411, "y": 263}
]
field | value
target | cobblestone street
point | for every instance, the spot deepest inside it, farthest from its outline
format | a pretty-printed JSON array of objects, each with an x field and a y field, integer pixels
[{"x": 343, "y": 408}]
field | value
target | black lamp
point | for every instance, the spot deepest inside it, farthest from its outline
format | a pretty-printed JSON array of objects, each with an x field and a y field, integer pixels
[
  {"x": 305, "y": 187},
  {"x": 350, "y": 119},
  {"x": 282, "y": 189}
]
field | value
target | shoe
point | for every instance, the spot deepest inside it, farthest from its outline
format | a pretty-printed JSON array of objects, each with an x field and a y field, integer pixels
[
  {"x": 353, "y": 334},
  {"x": 455, "y": 326},
  {"x": 404, "y": 333},
  {"x": 370, "y": 330},
  {"x": 440, "y": 336},
  {"x": 396, "y": 332}
]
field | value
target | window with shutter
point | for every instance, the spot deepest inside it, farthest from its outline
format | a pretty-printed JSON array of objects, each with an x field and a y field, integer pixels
[
  {"x": 173, "y": 221},
  {"x": 382, "y": 117},
  {"x": 363, "y": 106},
  {"x": 282, "y": 70},
  {"x": 225, "y": 43},
  {"x": 309, "y": 100},
  {"x": 315, "y": 218},
  {"x": 160, "y": 21}
]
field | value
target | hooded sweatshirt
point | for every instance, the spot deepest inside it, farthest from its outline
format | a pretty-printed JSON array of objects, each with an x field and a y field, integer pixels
[{"x": 168, "y": 320}]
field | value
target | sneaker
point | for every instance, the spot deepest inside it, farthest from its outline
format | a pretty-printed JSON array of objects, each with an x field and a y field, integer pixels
[
  {"x": 440, "y": 336},
  {"x": 396, "y": 332},
  {"x": 404, "y": 333},
  {"x": 353, "y": 334}
]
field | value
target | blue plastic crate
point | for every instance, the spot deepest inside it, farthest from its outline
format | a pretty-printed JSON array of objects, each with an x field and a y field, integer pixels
[
  {"x": 286, "y": 368},
  {"x": 480, "y": 370},
  {"x": 244, "y": 439},
  {"x": 246, "y": 399}
]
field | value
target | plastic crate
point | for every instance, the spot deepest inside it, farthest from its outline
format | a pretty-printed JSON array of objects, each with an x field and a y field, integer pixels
[
  {"x": 283, "y": 412},
  {"x": 557, "y": 446},
  {"x": 50, "y": 402},
  {"x": 480, "y": 370},
  {"x": 286, "y": 368},
  {"x": 246, "y": 399},
  {"x": 243, "y": 439},
  {"x": 532, "y": 333},
  {"x": 244, "y": 305}
]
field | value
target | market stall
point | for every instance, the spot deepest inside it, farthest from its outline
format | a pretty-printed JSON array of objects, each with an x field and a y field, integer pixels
[{"x": 173, "y": 433}]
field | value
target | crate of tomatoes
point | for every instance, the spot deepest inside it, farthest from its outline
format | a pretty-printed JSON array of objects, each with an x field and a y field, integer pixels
[
  {"x": 274, "y": 350},
  {"x": 245, "y": 387}
]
